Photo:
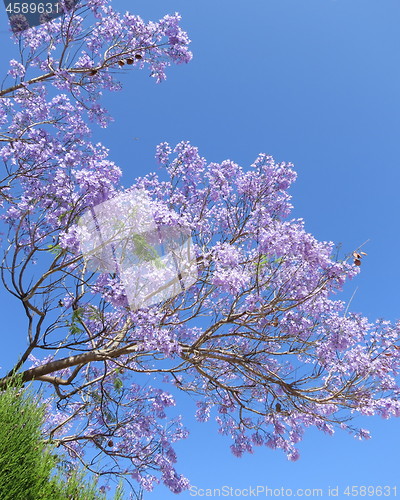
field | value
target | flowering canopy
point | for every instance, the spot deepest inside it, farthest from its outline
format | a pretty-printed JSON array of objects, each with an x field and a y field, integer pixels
[{"x": 256, "y": 337}]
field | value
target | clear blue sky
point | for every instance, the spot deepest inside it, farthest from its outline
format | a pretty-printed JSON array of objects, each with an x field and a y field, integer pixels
[{"x": 314, "y": 82}]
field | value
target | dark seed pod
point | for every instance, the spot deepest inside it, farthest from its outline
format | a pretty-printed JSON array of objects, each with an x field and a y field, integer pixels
[
  {"x": 121, "y": 63},
  {"x": 110, "y": 443},
  {"x": 138, "y": 56},
  {"x": 357, "y": 262},
  {"x": 129, "y": 60},
  {"x": 93, "y": 72},
  {"x": 278, "y": 407}
]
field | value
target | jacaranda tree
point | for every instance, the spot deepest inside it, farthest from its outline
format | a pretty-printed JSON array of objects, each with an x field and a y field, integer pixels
[{"x": 253, "y": 332}]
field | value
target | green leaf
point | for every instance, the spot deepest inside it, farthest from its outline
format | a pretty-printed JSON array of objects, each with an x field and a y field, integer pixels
[
  {"x": 76, "y": 315},
  {"x": 145, "y": 251},
  {"x": 118, "y": 384},
  {"x": 62, "y": 216},
  {"x": 55, "y": 249}
]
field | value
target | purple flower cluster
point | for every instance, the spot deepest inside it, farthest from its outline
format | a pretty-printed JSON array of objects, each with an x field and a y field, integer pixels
[{"x": 109, "y": 41}]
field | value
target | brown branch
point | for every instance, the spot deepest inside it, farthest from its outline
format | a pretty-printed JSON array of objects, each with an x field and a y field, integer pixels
[{"x": 61, "y": 364}]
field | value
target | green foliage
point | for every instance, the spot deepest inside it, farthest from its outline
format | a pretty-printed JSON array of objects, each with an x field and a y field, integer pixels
[
  {"x": 75, "y": 486},
  {"x": 55, "y": 249},
  {"x": 29, "y": 468},
  {"x": 118, "y": 384},
  {"x": 143, "y": 249},
  {"x": 76, "y": 322},
  {"x": 25, "y": 466},
  {"x": 265, "y": 259},
  {"x": 94, "y": 314}
]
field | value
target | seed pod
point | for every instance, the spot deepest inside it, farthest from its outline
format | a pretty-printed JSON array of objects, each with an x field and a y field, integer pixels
[
  {"x": 121, "y": 63},
  {"x": 357, "y": 262},
  {"x": 110, "y": 443},
  {"x": 93, "y": 72},
  {"x": 138, "y": 56},
  {"x": 129, "y": 60},
  {"x": 278, "y": 407}
]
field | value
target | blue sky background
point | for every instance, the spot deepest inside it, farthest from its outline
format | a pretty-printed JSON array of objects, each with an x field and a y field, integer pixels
[{"x": 313, "y": 82}]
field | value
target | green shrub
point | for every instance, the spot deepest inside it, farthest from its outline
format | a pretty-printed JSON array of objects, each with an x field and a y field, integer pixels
[{"x": 29, "y": 468}]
